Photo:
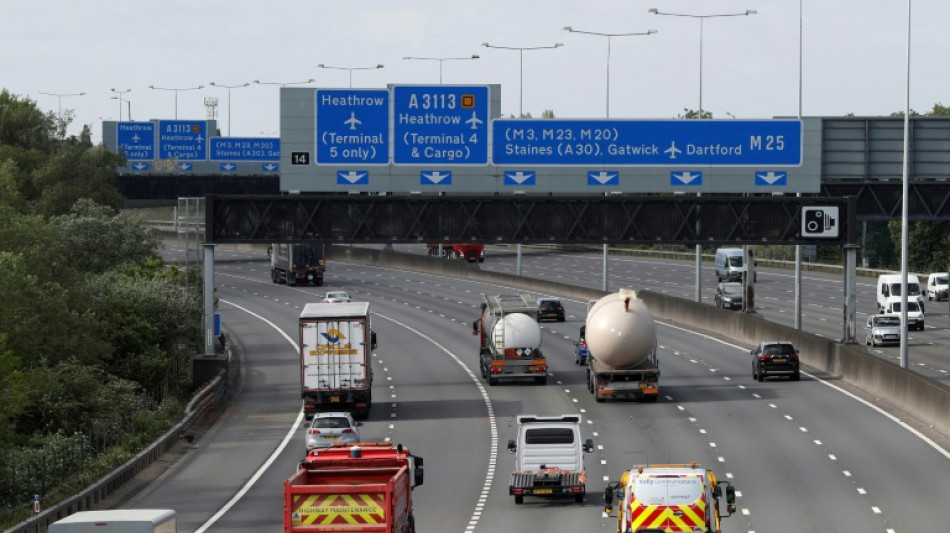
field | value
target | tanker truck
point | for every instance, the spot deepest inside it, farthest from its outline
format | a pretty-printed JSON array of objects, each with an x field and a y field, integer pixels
[
  {"x": 509, "y": 339},
  {"x": 621, "y": 349}
]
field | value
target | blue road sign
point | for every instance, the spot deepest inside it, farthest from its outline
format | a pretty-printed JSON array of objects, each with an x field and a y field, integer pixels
[
  {"x": 440, "y": 125},
  {"x": 692, "y": 178},
  {"x": 244, "y": 149},
  {"x": 520, "y": 177},
  {"x": 270, "y": 167},
  {"x": 352, "y": 126},
  {"x": 435, "y": 177},
  {"x": 603, "y": 177},
  {"x": 136, "y": 140},
  {"x": 771, "y": 178},
  {"x": 183, "y": 140},
  {"x": 647, "y": 142},
  {"x": 352, "y": 177}
]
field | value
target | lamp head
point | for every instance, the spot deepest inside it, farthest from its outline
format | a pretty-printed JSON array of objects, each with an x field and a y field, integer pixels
[
  {"x": 654, "y": 10},
  {"x": 486, "y": 45},
  {"x": 751, "y": 12},
  {"x": 650, "y": 32},
  {"x": 568, "y": 28}
]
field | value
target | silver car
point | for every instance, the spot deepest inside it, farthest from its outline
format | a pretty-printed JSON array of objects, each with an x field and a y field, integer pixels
[
  {"x": 326, "y": 429},
  {"x": 883, "y": 329},
  {"x": 336, "y": 297}
]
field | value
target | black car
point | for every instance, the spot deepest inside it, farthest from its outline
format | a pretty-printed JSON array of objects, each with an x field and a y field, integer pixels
[
  {"x": 550, "y": 309},
  {"x": 729, "y": 295},
  {"x": 775, "y": 358}
]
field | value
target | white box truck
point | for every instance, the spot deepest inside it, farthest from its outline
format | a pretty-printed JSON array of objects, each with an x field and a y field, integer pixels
[{"x": 118, "y": 521}]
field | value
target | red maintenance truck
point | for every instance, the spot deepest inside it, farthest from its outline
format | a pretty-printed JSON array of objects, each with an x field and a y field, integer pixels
[
  {"x": 360, "y": 487},
  {"x": 466, "y": 251}
]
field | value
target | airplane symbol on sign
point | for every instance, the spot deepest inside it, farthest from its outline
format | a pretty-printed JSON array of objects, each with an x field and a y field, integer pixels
[
  {"x": 474, "y": 121},
  {"x": 136, "y": 138},
  {"x": 672, "y": 150},
  {"x": 352, "y": 121}
]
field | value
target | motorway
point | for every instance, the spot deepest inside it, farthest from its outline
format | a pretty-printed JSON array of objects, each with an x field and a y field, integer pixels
[{"x": 805, "y": 456}]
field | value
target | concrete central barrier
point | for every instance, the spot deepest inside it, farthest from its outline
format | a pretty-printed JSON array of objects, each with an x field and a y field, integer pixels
[{"x": 918, "y": 395}]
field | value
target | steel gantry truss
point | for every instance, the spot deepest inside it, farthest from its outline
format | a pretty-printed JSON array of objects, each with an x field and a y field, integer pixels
[{"x": 518, "y": 219}]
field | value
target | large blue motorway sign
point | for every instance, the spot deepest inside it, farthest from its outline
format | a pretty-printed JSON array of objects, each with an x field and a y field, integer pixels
[
  {"x": 440, "y": 124},
  {"x": 245, "y": 149},
  {"x": 136, "y": 140},
  {"x": 677, "y": 143},
  {"x": 183, "y": 140},
  {"x": 352, "y": 126}
]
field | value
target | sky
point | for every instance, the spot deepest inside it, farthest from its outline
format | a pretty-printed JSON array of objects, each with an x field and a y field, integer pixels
[{"x": 853, "y": 60}]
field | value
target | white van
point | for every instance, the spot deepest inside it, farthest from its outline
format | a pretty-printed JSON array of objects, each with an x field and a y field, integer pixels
[
  {"x": 937, "y": 286},
  {"x": 118, "y": 521},
  {"x": 915, "y": 315},
  {"x": 729, "y": 264},
  {"x": 889, "y": 286}
]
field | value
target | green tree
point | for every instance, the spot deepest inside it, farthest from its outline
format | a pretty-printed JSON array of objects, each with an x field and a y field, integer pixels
[{"x": 692, "y": 113}]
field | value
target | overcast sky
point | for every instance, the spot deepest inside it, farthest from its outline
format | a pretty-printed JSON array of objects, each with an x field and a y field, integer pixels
[{"x": 854, "y": 55}]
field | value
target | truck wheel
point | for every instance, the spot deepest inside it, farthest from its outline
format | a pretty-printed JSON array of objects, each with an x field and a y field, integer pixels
[
  {"x": 578, "y": 498},
  {"x": 599, "y": 398},
  {"x": 481, "y": 368},
  {"x": 519, "y": 499},
  {"x": 652, "y": 398},
  {"x": 273, "y": 275},
  {"x": 412, "y": 524},
  {"x": 492, "y": 381},
  {"x": 541, "y": 380}
]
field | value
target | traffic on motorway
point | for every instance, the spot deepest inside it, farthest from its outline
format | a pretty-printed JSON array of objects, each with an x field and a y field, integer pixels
[{"x": 761, "y": 448}]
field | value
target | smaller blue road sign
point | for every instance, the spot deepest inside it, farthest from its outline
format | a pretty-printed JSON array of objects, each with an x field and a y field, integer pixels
[
  {"x": 603, "y": 177},
  {"x": 184, "y": 140},
  {"x": 244, "y": 149},
  {"x": 680, "y": 178},
  {"x": 771, "y": 178},
  {"x": 136, "y": 140},
  {"x": 352, "y": 177},
  {"x": 435, "y": 177},
  {"x": 440, "y": 125},
  {"x": 520, "y": 177},
  {"x": 352, "y": 126}
]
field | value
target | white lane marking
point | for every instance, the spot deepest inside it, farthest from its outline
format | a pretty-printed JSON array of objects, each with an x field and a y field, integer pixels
[{"x": 280, "y": 448}]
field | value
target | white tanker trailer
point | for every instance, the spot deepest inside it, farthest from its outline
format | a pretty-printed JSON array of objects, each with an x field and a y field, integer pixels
[
  {"x": 621, "y": 341},
  {"x": 510, "y": 339}
]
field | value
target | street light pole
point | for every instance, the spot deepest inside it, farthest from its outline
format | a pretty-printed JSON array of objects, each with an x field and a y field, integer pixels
[
  {"x": 608, "y": 36},
  {"x": 702, "y": 20},
  {"x": 350, "y": 70},
  {"x": 59, "y": 100},
  {"x": 441, "y": 60},
  {"x": 521, "y": 50},
  {"x": 176, "y": 89},
  {"x": 119, "y": 98},
  {"x": 284, "y": 84},
  {"x": 229, "y": 87}
]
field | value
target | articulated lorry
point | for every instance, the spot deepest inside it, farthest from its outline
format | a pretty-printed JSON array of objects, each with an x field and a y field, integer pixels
[
  {"x": 336, "y": 344},
  {"x": 359, "y": 487},
  {"x": 118, "y": 521},
  {"x": 509, "y": 339},
  {"x": 466, "y": 251},
  {"x": 620, "y": 337},
  {"x": 674, "y": 498},
  {"x": 549, "y": 458},
  {"x": 294, "y": 263}
]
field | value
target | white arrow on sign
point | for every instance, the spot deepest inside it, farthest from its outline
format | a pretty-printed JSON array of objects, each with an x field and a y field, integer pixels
[
  {"x": 519, "y": 177},
  {"x": 228, "y": 167},
  {"x": 771, "y": 177},
  {"x": 352, "y": 176},
  {"x": 436, "y": 176},
  {"x": 140, "y": 166},
  {"x": 184, "y": 166},
  {"x": 270, "y": 167},
  {"x": 602, "y": 177},
  {"x": 686, "y": 177}
]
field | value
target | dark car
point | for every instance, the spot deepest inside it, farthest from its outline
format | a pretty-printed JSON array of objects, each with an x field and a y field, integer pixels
[
  {"x": 729, "y": 295},
  {"x": 550, "y": 309},
  {"x": 775, "y": 358}
]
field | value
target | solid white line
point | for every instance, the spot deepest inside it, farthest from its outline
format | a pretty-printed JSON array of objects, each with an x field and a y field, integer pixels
[{"x": 273, "y": 457}]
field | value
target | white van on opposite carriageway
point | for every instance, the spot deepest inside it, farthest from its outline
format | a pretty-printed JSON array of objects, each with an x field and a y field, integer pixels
[{"x": 889, "y": 288}]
